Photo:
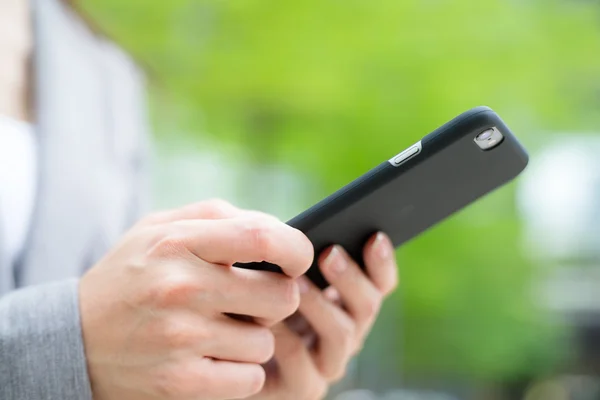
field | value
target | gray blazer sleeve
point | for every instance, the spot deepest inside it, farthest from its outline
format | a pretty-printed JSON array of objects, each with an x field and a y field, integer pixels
[{"x": 41, "y": 347}]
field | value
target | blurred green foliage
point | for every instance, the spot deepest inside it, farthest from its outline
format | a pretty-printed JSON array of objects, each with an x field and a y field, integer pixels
[{"x": 333, "y": 87}]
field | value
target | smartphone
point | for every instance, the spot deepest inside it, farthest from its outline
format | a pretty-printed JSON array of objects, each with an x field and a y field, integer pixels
[{"x": 447, "y": 170}]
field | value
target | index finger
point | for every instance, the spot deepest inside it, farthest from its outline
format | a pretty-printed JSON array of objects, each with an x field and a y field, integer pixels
[
  {"x": 249, "y": 239},
  {"x": 207, "y": 209}
]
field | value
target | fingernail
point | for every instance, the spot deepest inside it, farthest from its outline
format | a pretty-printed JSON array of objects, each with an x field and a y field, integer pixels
[
  {"x": 302, "y": 285},
  {"x": 382, "y": 246},
  {"x": 334, "y": 262}
]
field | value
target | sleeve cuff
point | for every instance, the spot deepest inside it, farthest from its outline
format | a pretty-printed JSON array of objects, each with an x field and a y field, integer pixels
[{"x": 41, "y": 345}]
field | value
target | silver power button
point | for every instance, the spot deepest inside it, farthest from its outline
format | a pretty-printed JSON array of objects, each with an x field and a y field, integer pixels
[{"x": 406, "y": 155}]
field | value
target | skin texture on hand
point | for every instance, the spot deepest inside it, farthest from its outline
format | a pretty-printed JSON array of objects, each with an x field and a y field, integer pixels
[
  {"x": 154, "y": 309},
  {"x": 314, "y": 347}
]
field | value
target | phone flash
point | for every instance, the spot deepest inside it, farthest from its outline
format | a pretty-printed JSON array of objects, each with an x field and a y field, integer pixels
[{"x": 489, "y": 139}]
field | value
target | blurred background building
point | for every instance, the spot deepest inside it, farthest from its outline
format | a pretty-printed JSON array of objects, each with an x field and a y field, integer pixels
[
  {"x": 273, "y": 105},
  {"x": 560, "y": 202}
]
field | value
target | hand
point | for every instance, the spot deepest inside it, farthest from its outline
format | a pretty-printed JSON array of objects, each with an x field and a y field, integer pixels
[
  {"x": 313, "y": 348},
  {"x": 153, "y": 310}
]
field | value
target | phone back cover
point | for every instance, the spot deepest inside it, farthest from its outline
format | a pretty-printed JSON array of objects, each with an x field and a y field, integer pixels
[{"x": 449, "y": 173}]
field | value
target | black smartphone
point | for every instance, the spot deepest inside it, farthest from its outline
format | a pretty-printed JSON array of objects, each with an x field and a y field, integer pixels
[{"x": 444, "y": 172}]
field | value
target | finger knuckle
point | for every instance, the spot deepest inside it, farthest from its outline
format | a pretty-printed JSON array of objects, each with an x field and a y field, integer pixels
[
  {"x": 261, "y": 235},
  {"x": 332, "y": 373},
  {"x": 177, "y": 334},
  {"x": 167, "y": 246},
  {"x": 318, "y": 391},
  {"x": 173, "y": 291},
  {"x": 344, "y": 334},
  {"x": 290, "y": 296},
  {"x": 370, "y": 307},
  {"x": 256, "y": 381},
  {"x": 217, "y": 208},
  {"x": 260, "y": 214},
  {"x": 287, "y": 297},
  {"x": 308, "y": 252},
  {"x": 347, "y": 344},
  {"x": 265, "y": 346},
  {"x": 347, "y": 329},
  {"x": 151, "y": 218},
  {"x": 243, "y": 385}
]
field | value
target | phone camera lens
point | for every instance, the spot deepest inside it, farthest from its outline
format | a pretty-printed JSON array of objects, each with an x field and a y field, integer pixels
[
  {"x": 487, "y": 135},
  {"x": 489, "y": 139}
]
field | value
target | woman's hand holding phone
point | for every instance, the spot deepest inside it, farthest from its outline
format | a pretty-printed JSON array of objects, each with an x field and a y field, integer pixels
[{"x": 314, "y": 347}]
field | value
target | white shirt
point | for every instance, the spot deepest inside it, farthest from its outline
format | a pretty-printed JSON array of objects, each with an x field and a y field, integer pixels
[
  {"x": 16, "y": 49},
  {"x": 18, "y": 182}
]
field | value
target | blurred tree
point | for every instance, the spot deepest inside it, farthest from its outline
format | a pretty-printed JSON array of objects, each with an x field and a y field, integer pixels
[{"x": 333, "y": 87}]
